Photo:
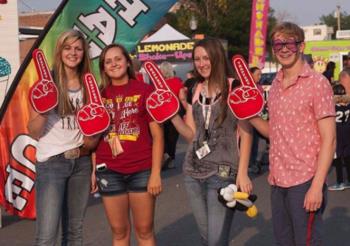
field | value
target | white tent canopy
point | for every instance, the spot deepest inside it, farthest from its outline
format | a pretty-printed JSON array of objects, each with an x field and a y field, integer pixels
[{"x": 165, "y": 33}]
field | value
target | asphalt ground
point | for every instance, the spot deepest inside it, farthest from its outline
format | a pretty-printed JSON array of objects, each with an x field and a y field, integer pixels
[{"x": 175, "y": 225}]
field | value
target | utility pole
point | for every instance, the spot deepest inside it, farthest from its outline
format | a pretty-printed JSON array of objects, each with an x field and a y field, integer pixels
[{"x": 338, "y": 16}]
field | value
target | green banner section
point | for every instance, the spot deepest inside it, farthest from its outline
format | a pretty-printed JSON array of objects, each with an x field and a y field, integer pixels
[{"x": 106, "y": 22}]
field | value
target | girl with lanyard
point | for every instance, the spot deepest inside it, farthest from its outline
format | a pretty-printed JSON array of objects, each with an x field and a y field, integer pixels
[
  {"x": 63, "y": 168},
  {"x": 213, "y": 160},
  {"x": 128, "y": 157}
]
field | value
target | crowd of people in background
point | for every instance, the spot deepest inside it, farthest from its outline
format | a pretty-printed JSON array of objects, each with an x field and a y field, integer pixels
[{"x": 124, "y": 163}]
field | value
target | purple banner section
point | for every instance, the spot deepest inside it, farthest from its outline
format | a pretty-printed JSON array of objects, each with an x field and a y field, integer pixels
[{"x": 258, "y": 29}]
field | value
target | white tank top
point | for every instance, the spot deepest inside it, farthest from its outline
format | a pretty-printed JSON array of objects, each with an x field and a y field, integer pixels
[{"x": 60, "y": 134}]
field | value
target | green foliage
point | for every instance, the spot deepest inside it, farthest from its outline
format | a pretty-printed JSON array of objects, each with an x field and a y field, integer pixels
[
  {"x": 331, "y": 21},
  {"x": 225, "y": 19}
]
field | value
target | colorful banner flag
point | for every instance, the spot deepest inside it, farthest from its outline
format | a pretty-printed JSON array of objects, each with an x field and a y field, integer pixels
[
  {"x": 102, "y": 22},
  {"x": 258, "y": 29}
]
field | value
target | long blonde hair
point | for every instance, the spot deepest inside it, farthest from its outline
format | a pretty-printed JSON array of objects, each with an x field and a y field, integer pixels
[{"x": 59, "y": 74}]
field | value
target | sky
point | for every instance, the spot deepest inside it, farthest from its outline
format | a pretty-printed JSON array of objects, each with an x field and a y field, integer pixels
[{"x": 302, "y": 12}]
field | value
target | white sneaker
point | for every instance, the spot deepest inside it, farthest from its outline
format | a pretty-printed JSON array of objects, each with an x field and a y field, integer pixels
[
  {"x": 347, "y": 185},
  {"x": 337, "y": 187}
]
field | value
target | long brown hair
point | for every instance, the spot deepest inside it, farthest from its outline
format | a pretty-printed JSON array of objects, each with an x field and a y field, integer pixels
[
  {"x": 60, "y": 77},
  {"x": 220, "y": 70},
  {"x": 105, "y": 80}
]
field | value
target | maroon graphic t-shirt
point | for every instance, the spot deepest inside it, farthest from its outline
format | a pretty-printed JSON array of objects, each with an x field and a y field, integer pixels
[{"x": 130, "y": 120}]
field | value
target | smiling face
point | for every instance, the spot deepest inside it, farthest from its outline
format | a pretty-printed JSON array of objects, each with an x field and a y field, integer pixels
[
  {"x": 287, "y": 49},
  {"x": 72, "y": 53},
  {"x": 202, "y": 62},
  {"x": 115, "y": 65}
]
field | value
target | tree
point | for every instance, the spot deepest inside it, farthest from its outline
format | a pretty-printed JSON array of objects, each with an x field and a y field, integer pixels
[
  {"x": 225, "y": 19},
  {"x": 331, "y": 21}
]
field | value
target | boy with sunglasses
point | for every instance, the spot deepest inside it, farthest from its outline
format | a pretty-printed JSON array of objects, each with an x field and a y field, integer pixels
[{"x": 301, "y": 129}]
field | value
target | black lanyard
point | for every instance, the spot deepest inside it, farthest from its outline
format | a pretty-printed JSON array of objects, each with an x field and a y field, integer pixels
[{"x": 207, "y": 112}]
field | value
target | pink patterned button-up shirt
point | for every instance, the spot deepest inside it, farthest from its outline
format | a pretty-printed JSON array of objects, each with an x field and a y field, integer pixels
[{"x": 294, "y": 137}]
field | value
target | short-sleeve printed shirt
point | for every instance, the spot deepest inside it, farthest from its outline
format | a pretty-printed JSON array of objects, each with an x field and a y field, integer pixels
[{"x": 293, "y": 126}]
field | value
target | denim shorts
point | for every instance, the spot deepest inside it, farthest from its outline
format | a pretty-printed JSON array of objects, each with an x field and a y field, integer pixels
[{"x": 113, "y": 183}]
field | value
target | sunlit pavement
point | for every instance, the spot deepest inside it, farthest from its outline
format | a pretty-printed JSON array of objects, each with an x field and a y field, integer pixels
[{"x": 174, "y": 223}]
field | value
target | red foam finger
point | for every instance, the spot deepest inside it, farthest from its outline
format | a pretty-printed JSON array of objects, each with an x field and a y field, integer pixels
[
  {"x": 92, "y": 89},
  {"x": 156, "y": 76},
  {"x": 162, "y": 105},
  {"x": 43, "y": 95},
  {"x": 243, "y": 72},
  {"x": 41, "y": 65},
  {"x": 93, "y": 117},
  {"x": 246, "y": 100}
]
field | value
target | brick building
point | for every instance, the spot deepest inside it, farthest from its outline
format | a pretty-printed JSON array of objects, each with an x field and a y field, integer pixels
[{"x": 30, "y": 25}]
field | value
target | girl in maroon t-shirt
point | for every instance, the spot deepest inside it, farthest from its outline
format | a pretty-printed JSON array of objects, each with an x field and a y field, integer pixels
[{"x": 128, "y": 157}]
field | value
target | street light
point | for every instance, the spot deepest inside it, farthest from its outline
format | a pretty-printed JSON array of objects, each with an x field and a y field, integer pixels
[{"x": 193, "y": 24}]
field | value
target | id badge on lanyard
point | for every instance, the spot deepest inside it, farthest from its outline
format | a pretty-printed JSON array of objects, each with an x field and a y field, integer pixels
[
  {"x": 206, "y": 110},
  {"x": 205, "y": 150}
]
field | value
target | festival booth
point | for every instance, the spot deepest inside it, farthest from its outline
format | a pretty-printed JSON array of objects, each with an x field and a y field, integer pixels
[
  {"x": 167, "y": 44},
  {"x": 328, "y": 50}
]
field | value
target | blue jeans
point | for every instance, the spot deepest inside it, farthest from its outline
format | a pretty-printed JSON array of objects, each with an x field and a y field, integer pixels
[
  {"x": 212, "y": 218},
  {"x": 62, "y": 192}
]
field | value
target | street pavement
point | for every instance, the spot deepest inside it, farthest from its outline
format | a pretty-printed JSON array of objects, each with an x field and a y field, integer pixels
[{"x": 175, "y": 225}]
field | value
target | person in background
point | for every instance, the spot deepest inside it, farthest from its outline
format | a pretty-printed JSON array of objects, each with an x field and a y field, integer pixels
[
  {"x": 137, "y": 68},
  {"x": 344, "y": 79},
  {"x": 171, "y": 136},
  {"x": 256, "y": 73},
  {"x": 302, "y": 134},
  {"x": 213, "y": 160},
  {"x": 191, "y": 80},
  {"x": 347, "y": 61},
  {"x": 259, "y": 142},
  {"x": 128, "y": 157},
  {"x": 63, "y": 168},
  {"x": 342, "y": 154},
  {"x": 309, "y": 60},
  {"x": 329, "y": 73}
]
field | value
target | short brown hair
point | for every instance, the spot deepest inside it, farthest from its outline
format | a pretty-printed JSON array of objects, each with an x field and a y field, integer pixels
[{"x": 289, "y": 29}]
